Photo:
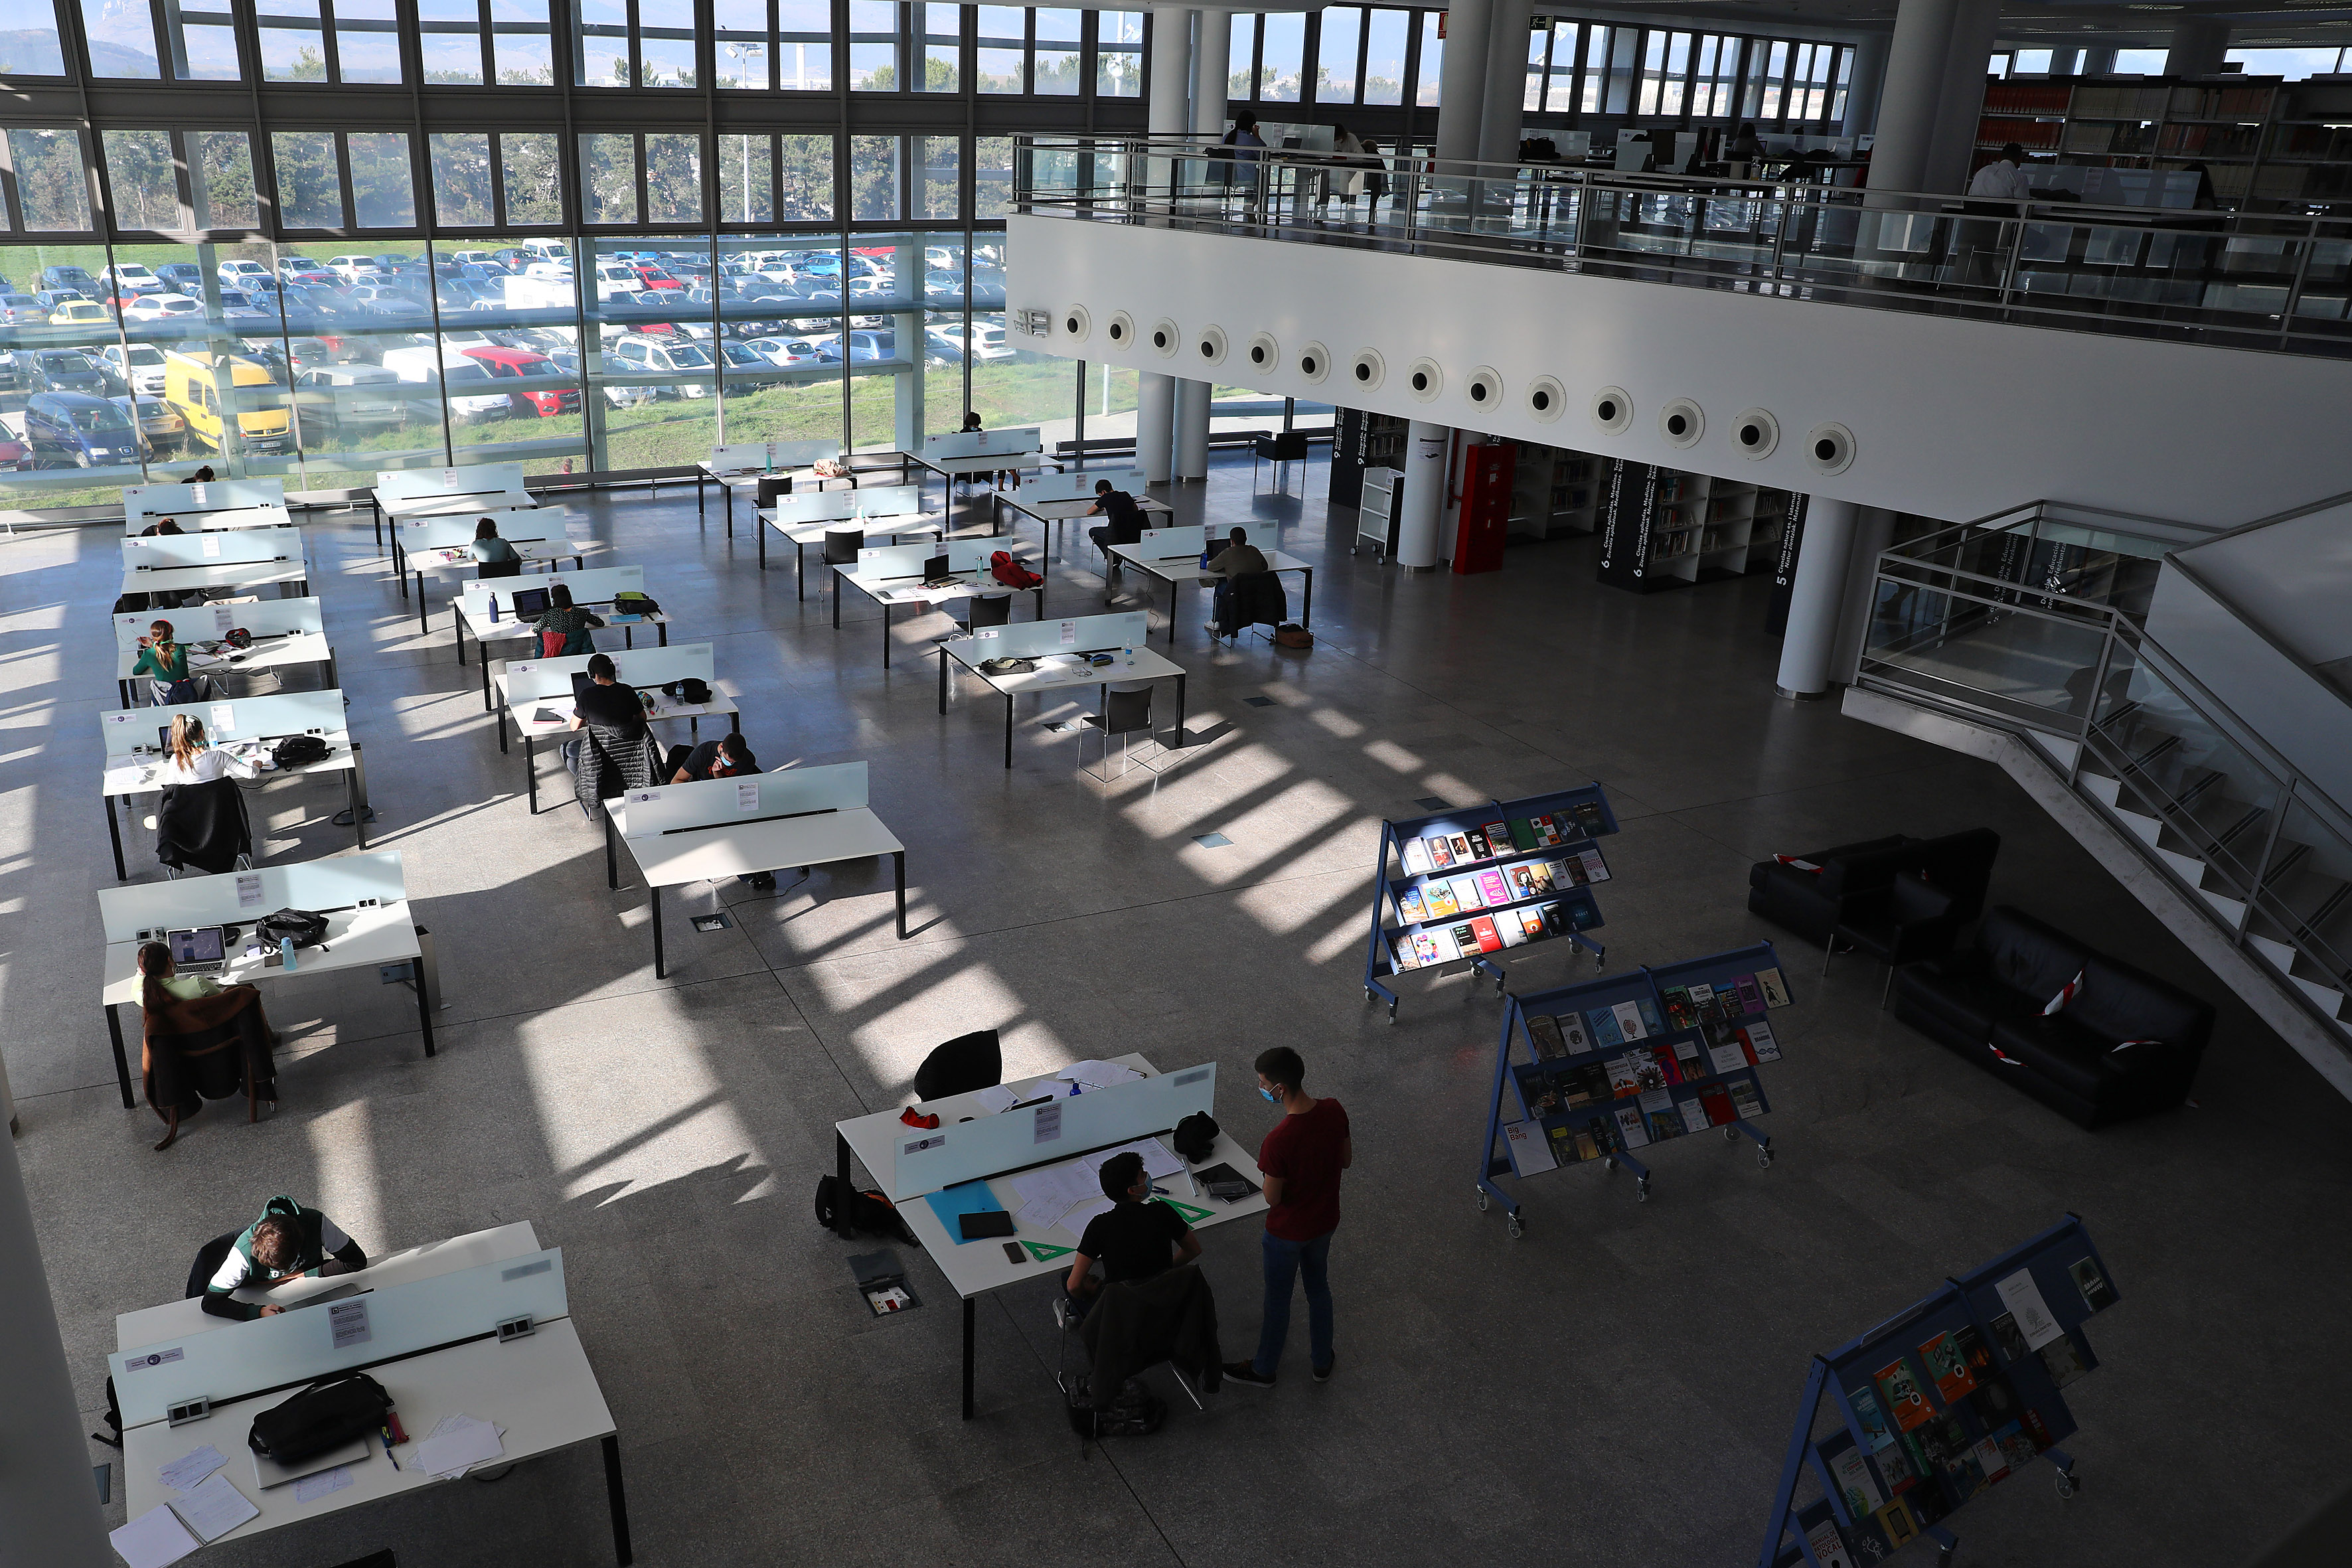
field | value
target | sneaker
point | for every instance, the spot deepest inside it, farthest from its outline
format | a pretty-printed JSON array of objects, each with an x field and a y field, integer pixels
[
  {"x": 1323, "y": 1372},
  {"x": 1247, "y": 1371}
]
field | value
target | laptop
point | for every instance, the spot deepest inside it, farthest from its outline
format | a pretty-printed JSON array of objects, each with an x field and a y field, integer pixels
[
  {"x": 200, "y": 950},
  {"x": 529, "y": 603},
  {"x": 936, "y": 571}
]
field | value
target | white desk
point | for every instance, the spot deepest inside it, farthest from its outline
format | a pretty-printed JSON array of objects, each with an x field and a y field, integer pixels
[
  {"x": 360, "y": 934},
  {"x": 1057, "y": 646},
  {"x": 172, "y": 564},
  {"x": 428, "y": 492},
  {"x": 525, "y": 686},
  {"x": 1173, "y": 556},
  {"x": 806, "y": 519},
  {"x": 590, "y": 585},
  {"x": 286, "y": 632},
  {"x": 248, "y": 726},
  {"x": 1060, "y": 497},
  {"x": 540, "y": 1388},
  {"x": 741, "y": 465},
  {"x": 966, "y": 453},
  {"x": 209, "y": 519},
  {"x": 716, "y": 828},
  {"x": 549, "y": 552},
  {"x": 894, "y": 575},
  {"x": 202, "y": 508},
  {"x": 973, "y": 1269}
]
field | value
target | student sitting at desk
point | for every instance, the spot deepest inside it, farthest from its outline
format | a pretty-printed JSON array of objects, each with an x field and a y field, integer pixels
[
  {"x": 200, "y": 1040},
  {"x": 166, "y": 661},
  {"x": 1136, "y": 1240},
  {"x": 288, "y": 1242},
  {"x": 203, "y": 476},
  {"x": 724, "y": 758},
  {"x": 566, "y": 620},
  {"x": 1126, "y": 524},
  {"x": 614, "y": 751},
  {"x": 191, "y": 758},
  {"x": 152, "y": 529},
  {"x": 1239, "y": 558},
  {"x": 972, "y": 426},
  {"x": 497, "y": 557}
]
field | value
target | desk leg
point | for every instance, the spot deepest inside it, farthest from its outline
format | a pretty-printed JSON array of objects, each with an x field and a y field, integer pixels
[
  {"x": 612, "y": 855},
  {"x": 457, "y": 627},
  {"x": 629, "y": 638},
  {"x": 1041, "y": 601},
  {"x": 1172, "y": 614},
  {"x": 502, "y": 708},
  {"x": 333, "y": 683},
  {"x": 619, "y": 1499},
  {"x": 943, "y": 683},
  {"x": 761, "y": 523},
  {"x": 730, "y": 512},
  {"x": 663, "y": 627},
  {"x": 837, "y": 602},
  {"x": 653, "y": 896},
  {"x": 842, "y": 1227},
  {"x": 899, "y": 859},
  {"x": 375, "y": 522},
  {"x": 123, "y": 1063},
  {"x": 1008, "y": 731},
  {"x": 424, "y": 1004},
  {"x": 1180, "y": 714},
  {"x": 400, "y": 568},
  {"x": 121, "y": 874},
  {"x": 699, "y": 514},
  {"x": 1307, "y": 610},
  {"x": 123, "y": 690},
  {"x": 970, "y": 1302},
  {"x": 885, "y": 634},
  {"x": 423, "y": 611},
  {"x": 530, "y": 769}
]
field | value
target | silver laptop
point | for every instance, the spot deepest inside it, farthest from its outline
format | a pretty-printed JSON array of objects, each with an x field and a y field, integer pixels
[{"x": 199, "y": 950}]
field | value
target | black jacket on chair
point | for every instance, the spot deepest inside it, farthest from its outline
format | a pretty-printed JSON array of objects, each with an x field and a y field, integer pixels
[
  {"x": 203, "y": 826},
  {"x": 2127, "y": 1044},
  {"x": 1138, "y": 1323},
  {"x": 1252, "y": 599}
]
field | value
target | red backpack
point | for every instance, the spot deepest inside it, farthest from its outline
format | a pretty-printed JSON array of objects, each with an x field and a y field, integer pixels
[{"x": 1010, "y": 573}]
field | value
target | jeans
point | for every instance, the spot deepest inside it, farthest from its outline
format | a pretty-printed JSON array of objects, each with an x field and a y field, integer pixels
[{"x": 1284, "y": 1261}]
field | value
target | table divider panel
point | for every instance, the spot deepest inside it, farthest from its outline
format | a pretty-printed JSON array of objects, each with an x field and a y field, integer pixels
[
  {"x": 183, "y": 901},
  {"x": 926, "y": 1161}
]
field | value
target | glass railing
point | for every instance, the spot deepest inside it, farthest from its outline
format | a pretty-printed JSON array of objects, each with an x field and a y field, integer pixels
[{"x": 2270, "y": 281}]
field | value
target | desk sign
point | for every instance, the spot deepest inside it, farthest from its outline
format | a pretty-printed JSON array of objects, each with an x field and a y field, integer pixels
[
  {"x": 746, "y": 796},
  {"x": 1047, "y": 1127},
  {"x": 248, "y": 889},
  {"x": 1070, "y": 633},
  {"x": 210, "y": 545},
  {"x": 647, "y": 796},
  {"x": 449, "y": 477},
  {"x": 196, "y": 493},
  {"x": 222, "y": 718},
  {"x": 223, "y": 620},
  {"x": 348, "y": 1322}
]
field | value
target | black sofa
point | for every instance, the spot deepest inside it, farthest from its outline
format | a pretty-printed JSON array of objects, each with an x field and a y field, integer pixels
[
  {"x": 1985, "y": 1003},
  {"x": 1852, "y": 886}
]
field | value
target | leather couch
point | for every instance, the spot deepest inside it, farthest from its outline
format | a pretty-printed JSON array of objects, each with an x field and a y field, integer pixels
[
  {"x": 1853, "y": 884},
  {"x": 1985, "y": 1003}
]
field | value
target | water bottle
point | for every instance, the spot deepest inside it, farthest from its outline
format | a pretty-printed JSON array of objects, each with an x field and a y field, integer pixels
[
  {"x": 286, "y": 953},
  {"x": 1131, "y": 658}
]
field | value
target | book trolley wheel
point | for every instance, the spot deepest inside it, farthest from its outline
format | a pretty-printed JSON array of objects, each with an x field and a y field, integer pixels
[
  {"x": 1481, "y": 1194},
  {"x": 1642, "y": 1191},
  {"x": 1731, "y": 1135},
  {"x": 2067, "y": 1485},
  {"x": 1515, "y": 1228},
  {"x": 1608, "y": 1162},
  {"x": 1764, "y": 1157}
]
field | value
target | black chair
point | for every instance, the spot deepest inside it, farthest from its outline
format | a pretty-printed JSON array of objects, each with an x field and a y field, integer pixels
[
  {"x": 991, "y": 612},
  {"x": 209, "y": 1257},
  {"x": 1908, "y": 921},
  {"x": 773, "y": 489},
  {"x": 203, "y": 826},
  {"x": 490, "y": 569},
  {"x": 1125, "y": 714},
  {"x": 965, "y": 1063},
  {"x": 1290, "y": 447},
  {"x": 841, "y": 548},
  {"x": 1252, "y": 599}
]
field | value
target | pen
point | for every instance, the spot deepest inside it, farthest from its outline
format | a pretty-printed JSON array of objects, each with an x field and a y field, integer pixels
[
  {"x": 386, "y": 1433},
  {"x": 1163, "y": 1192}
]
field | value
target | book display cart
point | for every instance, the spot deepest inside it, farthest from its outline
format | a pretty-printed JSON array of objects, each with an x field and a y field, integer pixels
[
  {"x": 1476, "y": 882},
  {"x": 1629, "y": 1060},
  {"x": 1950, "y": 1396},
  {"x": 1664, "y": 528}
]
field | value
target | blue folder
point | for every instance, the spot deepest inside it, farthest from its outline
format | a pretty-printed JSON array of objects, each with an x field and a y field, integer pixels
[{"x": 965, "y": 1197}]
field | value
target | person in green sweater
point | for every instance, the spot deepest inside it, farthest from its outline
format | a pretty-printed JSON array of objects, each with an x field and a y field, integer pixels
[
  {"x": 166, "y": 661},
  {"x": 288, "y": 1242},
  {"x": 567, "y": 620}
]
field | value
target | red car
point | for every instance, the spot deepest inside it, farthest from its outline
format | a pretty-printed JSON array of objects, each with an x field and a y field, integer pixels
[
  {"x": 14, "y": 454},
  {"x": 652, "y": 277},
  {"x": 555, "y": 394}
]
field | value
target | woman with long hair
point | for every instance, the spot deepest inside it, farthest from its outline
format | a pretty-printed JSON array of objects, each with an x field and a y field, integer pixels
[
  {"x": 191, "y": 758},
  {"x": 165, "y": 661},
  {"x": 495, "y": 556},
  {"x": 566, "y": 620},
  {"x": 200, "y": 1040}
]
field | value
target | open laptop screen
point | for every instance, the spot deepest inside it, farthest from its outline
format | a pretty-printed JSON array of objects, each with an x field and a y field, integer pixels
[
  {"x": 529, "y": 603},
  {"x": 935, "y": 566},
  {"x": 202, "y": 944}
]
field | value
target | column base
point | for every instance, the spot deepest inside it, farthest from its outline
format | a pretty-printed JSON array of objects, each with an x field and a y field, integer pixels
[
  {"x": 1433, "y": 566},
  {"x": 1800, "y": 696}
]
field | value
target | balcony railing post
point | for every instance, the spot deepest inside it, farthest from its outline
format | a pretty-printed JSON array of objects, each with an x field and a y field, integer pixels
[
  {"x": 1780, "y": 238},
  {"x": 2295, "y": 289},
  {"x": 2012, "y": 255},
  {"x": 2262, "y": 867},
  {"x": 2091, "y": 713}
]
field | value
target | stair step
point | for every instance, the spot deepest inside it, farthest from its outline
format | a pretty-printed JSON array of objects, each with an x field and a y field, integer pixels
[
  {"x": 2189, "y": 868},
  {"x": 2101, "y": 786},
  {"x": 2145, "y": 827},
  {"x": 2330, "y": 999},
  {"x": 2229, "y": 909},
  {"x": 2281, "y": 955}
]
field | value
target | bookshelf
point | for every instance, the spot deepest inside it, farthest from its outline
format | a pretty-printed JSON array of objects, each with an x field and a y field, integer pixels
[
  {"x": 1555, "y": 491},
  {"x": 1361, "y": 442},
  {"x": 1626, "y": 1061},
  {"x": 1666, "y": 527},
  {"x": 1473, "y": 883},
  {"x": 1938, "y": 1402},
  {"x": 1376, "y": 518}
]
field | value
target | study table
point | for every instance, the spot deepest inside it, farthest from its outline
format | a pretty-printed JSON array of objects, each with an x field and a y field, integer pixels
[
  {"x": 369, "y": 922},
  {"x": 529, "y": 687},
  {"x": 434, "y": 1325},
  {"x": 486, "y": 610},
  {"x": 975, "y": 1142},
  {"x": 431, "y": 492},
  {"x": 1062, "y": 650},
  {"x": 1173, "y": 556},
  {"x": 285, "y": 632},
  {"x": 538, "y": 537},
  {"x": 213, "y": 505},
  {"x": 711, "y": 829},
  {"x": 1060, "y": 497},
  {"x": 969, "y": 453},
  {"x": 184, "y": 563},
  {"x": 806, "y": 520},
  {"x": 248, "y": 726},
  {"x": 893, "y": 574},
  {"x": 741, "y": 465}
]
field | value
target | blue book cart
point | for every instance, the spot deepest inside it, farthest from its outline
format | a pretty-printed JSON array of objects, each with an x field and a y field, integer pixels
[
  {"x": 1955, "y": 1393},
  {"x": 1537, "y": 852},
  {"x": 1628, "y": 1060}
]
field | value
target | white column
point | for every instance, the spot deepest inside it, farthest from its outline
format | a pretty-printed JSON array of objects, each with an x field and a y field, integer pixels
[
  {"x": 2195, "y": 48},
  {"x": 1192, "y": 429},
  {"x": 48, "y": 1504},
  {"x": 1212, "y": 84},
  {"x": 1816, "y": 599},
  {"x": 1914, "y": 86},
  {"x": 1462, "y": 84},
  {"x": 1155, "y": 426},
  {"x": 2099, "y": 61},
  {"x": 1869, "y": 80},
  {"x": 1960, "y": 104},
  {"x": 1422, "y": 497},
  {"x": 1506, "y": 82},
  {"x": 1874, "y": 530},
  {"x": 1168, "y": 113}
]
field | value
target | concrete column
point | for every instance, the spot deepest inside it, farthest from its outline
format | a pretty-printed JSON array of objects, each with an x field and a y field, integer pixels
[
  {"x": 1155, "y": 426},
  {"x": 1505, "y": 102},
  {"x": 1916, "y": 57},
  {"x": 1959, "y": 105},
  {"x": 1192, "y": 429},
  {"x": 2099, "y": 62},
  {"x": 1422, "y": 498},
  {"x": 2065, "y": 62},
  {"x": 1874, "y": 530},
  {"x": 2196, "y": 47},
  {"x": 907, "y": 389},
  {"x": 1168, "y": 113},
  {"x": 1462, "y": 84},
  {"x": 48, "y": 1504},
  {"x": 1868, "y": 80},
  {"x": 1212, "y": 70},
  {"x": 1816, "y": 599}
]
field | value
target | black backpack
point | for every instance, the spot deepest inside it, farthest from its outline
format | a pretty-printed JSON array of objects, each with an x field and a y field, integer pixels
[
  {"x": 327, "y": 1415},
  {"x": 870, "y": 1214},
  {"x": 1196, "y": 1137},
  {"x": 299, "y": 926},
  {"x": 691, "y": 689},
  {"x": 300, "y": 750}
]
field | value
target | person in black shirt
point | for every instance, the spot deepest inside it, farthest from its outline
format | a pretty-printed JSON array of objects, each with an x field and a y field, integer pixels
[
  {"x": 723, "y": 758},
  {"x": 1126, "y": 524},
  {"x": 1136, "y": 1240},
  {"x": 607, "y": 705}
]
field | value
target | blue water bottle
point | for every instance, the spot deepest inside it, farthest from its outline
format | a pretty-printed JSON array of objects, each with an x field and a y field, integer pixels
[{"x": 286, "y": 952}]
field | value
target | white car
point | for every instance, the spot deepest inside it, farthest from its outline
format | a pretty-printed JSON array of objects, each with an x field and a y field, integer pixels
[
  {"x": 353, "y": 269},
  {"x": 986, "y": 343},
  {"x": 788, "y": 353},
  {"x": 140, "y": 364},
  {"x": 131, "y": 277},
  {"x": 553, "y": 271},
  {"x": 946, "y": 258},
  {"x": 672, "y": 358},
  {"x": 459, "y": 378},
  {"x": 481, "y": 259},
  {"x": 164, "y": 308},
  {"x": 245, "y": 275}
]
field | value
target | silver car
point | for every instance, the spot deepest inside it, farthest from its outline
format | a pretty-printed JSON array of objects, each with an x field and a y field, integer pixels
[{"x": 156, "y": 419}]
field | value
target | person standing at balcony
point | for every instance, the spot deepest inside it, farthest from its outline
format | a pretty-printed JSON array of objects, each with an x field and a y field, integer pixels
[
  {"x": 1346, "y": 174},
  {"x": 1991, "y": 197},
  {"x": 1249, "y": 159}
]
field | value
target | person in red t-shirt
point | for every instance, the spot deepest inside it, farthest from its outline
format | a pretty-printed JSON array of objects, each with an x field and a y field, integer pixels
[{"x": 1301, "y": 1160}]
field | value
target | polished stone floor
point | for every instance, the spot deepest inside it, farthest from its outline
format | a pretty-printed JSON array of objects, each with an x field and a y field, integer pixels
[{"x": 1615, "y": 1389}]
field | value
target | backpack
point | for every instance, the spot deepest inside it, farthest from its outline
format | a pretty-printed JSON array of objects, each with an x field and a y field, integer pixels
[
  {"x": 327, "y": 1415},
  {"x": 1196, "y": 1137},
  {"x": 1290, "y": 633},
  {"x": 629, "y": 602},
  {"x": 300, "y": 926},
  {"x": 300, "y": 750},
  {"x": 870, "y": 1214},
  {"x": 692, "y": 691},
  {"x": 1135, "y": 1413},
  {"x": 237, "y": 636},
  {"x": 1010, "y": 573}
]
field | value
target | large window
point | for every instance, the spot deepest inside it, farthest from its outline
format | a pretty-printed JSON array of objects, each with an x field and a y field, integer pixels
[
  {"x": 1384, "y": 56},
  {"x": 1118, "y": 54},
  {"x": 1282, "y": 47},
  {"x": 1338, "y": 51}
]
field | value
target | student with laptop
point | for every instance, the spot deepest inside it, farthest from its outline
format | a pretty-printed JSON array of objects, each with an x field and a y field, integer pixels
[
  {"x": 189, "y": 758},
  {"x": 497, "y": 558},
  {"x": 603, "y": 702},
  {"x": 567, "y": 621},
  {"x": 199, "y": 1039},
  {"x": 288, "y": 1242}
]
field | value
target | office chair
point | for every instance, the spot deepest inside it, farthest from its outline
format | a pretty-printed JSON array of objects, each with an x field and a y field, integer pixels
[
  {"x": 993, "y": 612},
  {"x": 773, "y": 489},
  {"x": 1124, "y": 714},
  {"x": 1290, "y": 447},
  {"x": 841, "y": 548},
  {"x": 965, "y": 1063},
  {"x": 209, "y": 1257}
]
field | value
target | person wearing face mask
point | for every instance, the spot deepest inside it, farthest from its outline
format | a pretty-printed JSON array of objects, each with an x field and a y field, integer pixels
[{"x": 1301, "y": 1161}]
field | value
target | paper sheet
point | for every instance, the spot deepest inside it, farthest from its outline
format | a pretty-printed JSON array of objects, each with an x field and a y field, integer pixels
[
  {"x": 215, "y": 1508},
  {"x": 1096, "y": 1074},
  {"x": 996, "y": 1097},
  {"x": 1076, "y": 1221},
  {"x": 182, "y": 1473},
  {"x": 456, "y": 1444},
  {"x": 1158, "y": 1160},
  {"x": 154, "y": 1539},
  {"x": 2023, "y": 1297},
  {"x": 310, "y": 1488},
  {"x": 1042, "y": 1214}
]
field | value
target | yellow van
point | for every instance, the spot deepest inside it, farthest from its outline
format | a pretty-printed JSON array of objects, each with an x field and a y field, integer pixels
[{"x": 191, "y": 385}]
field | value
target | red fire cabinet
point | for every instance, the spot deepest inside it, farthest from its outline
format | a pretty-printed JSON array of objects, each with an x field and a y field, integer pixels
[{"x": 1488, "y": 471}]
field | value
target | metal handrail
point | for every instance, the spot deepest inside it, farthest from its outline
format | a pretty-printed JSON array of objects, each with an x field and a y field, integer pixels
[{"x": 1567, "y": 232}]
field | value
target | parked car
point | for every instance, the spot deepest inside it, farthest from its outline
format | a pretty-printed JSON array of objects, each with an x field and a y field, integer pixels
[
  {"x": 160, "y": 425},
  {"x": 73, "y": 277},
  {"x": 77, "y": 430},
  {"x": 164, "y": 308},
  {"x": 23, "y": 311},
  {"x": 192, "y": 386},
  {"x": 552, "y": 392},
  {"x": 81, "y": 314},
  {"x": 745, "y": 364},
  {"x": 64, "y": 370},
  {"x": 236, "y": 306},
  {"x": 788, "y": 353},
  {"x": 352, "y": 268},
  {"x": 131, "y": 277},
  {"x": 464, "y": 384},
  {"x": 140, "y": 364},
  {"x": 182, "y": 276},
  {"x": 332, "y": 401},
  {"x": 302, "y": 269},
  {"x": 240, "y": 274},
  {"x": 55, "y": 299},
  {"x": 671, "y": 358},
  {"x": 865, "y": 348},
  {"x": 949, "y": 345},
  {"x": 14, "y": 455},
  {"x": 484, "y": 258}
]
